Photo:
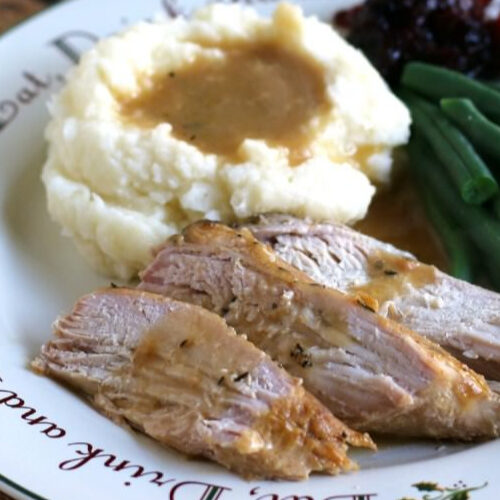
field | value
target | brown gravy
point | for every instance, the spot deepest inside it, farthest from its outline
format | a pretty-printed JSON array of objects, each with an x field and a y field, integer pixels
[
  {"x": 390, "y": 275},
  {"x": 260, "y": 92},
  {"x": 397, "y": 216}
]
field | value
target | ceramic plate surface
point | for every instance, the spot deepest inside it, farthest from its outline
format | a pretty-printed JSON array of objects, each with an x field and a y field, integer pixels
[{"x": 53, "y": 445}]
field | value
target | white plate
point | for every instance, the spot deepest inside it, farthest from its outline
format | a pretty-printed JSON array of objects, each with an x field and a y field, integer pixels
[{"x": 41, "y": 276}]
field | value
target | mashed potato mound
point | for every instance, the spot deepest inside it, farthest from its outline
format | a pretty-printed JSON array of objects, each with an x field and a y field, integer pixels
[{"x": 119, "y": 188}]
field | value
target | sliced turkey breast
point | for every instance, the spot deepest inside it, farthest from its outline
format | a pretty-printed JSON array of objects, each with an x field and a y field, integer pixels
[
  {"x": 179, "y": 374},
  {"x": 462, "y": 318},
  {"x": 372, "y": 372}
]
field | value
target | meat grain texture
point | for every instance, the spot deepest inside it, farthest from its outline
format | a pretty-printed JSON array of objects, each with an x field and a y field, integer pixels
[
  {"x": 461, "y": 317},
  {"x": 179, "y": 374},
  {"x": 370, "y": 371}
]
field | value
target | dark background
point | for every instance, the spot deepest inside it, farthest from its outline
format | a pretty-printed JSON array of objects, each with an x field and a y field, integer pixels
[{"x": 14, "y": 11}]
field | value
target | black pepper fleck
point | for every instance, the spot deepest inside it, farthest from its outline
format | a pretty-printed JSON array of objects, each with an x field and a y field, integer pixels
[
  {"x": 301, "y": 356},
  {"x": 240, "y": 377},
  {"x": 390, "y": 272}
]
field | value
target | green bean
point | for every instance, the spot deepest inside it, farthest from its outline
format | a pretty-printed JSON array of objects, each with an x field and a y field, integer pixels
[
  {"x": 483, "y": 133},
  {"x": 436, "y": 82},
  {"x": 492, "y": 85},
  {"x": 469, "y": 173},
  {"x": 458, "y": 248},
  {"x": 495, "y": 206},
  {"x": 493, "y": 275},
  {"x": 479, "y": 225}
]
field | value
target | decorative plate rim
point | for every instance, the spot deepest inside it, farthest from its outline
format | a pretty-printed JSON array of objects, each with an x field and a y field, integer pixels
[{"x": 20, "y": 491}]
